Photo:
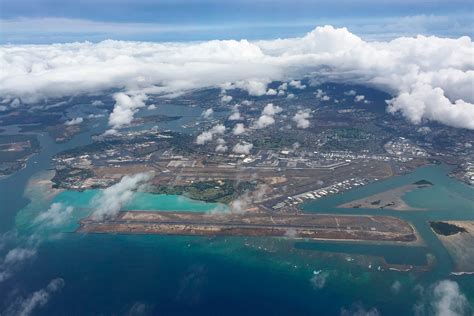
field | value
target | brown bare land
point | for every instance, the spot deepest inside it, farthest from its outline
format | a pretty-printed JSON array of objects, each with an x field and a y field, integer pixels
[
  {"x": 390, "y": 199},
  {"x": 460, "y": 246},
  {"x": 312, "y": 226}
]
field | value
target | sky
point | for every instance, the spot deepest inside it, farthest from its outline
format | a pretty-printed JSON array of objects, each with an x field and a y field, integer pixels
[{"x": 59, "y": 21}]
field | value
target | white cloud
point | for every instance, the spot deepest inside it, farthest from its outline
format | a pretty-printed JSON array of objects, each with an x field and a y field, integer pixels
[
  {"x": 283, "y": 86},
  {"x": 14, "y": 260},
  {"x": 350, "y": 92},
  {"x": 124, "y": 109},
  {"x": 320, "y": 94},
  {"x": 97, "y": 103},
  {"x": 396, "y": 287},
  {"x": 239, "y": 128},
  {"x": 226, "y": 98},
  {"x": 151, "y": 107},
  {"x": 17, "y": 255},
  {"x": 359, "y": 98},
  {"x": 318, "y": 280},
  {"x": 111, "y": 200},
  {"x": 218, "y": 129},
  {"x": 297, "y": 84},
  {"x": 271, "y": 92},
  {"x": 74, "y": 121},
  {"x": 207, "y": 136},
  {"x": 235, "y": 116},
  {"x": 253, "y": 86},
  {"x": 264, "y": 121},
  {"x": 207, "y": 113},
  {"x": 242, "y": 148},
  {"x": 448, "y": 299},
  {"x": 430, "y": 77},
  {"x": 271, "y": 109},
  {"x": 267, "y": 117},
  {"x": 204, "y": 137},
  {"x": 95, "y": 115},
  {"x": 26, "y": 306},
  {"x": 424, "y": 102},
  {"x": 56, "y": 215},
  {"x": 302, "y": 118},
  {"x": 221, "y": 148},
  {"x": 247, "y": 199}
]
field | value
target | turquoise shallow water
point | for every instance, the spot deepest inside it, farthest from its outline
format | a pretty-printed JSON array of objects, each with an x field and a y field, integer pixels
[
  {"x": 147, "y": 201},
  {"x": 83, "y": 204}
]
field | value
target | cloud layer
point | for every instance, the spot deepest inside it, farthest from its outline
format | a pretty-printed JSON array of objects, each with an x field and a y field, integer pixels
[{"x": 431, "y": 77}]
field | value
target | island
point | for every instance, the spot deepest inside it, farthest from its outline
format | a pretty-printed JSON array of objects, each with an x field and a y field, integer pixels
[{"x": 458, "y": 239}]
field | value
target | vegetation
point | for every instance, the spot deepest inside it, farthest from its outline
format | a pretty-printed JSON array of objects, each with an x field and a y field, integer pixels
[
  {"x": 423, "y": 182},
  {"x": 222, "y": 191},
  {"x": 446, "y": 229}
]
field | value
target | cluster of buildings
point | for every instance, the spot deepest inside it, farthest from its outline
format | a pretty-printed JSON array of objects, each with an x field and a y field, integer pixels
[
  {"x": 319, "y": 193},
  {"x": 468, "y": 168},
  {"x": 403, "y": 147}
]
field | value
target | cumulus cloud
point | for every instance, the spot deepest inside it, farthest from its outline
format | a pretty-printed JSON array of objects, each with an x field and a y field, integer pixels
[
  {"x": 283, "y": 86},
  {"x": 271, "y": 92},
  {"x": 271, "y": 109},
  {"x": 431, "y": 77},
  {"x": 56, "y": 215},
  {"x": 359, "y": 98},
  {"x": 444, "y": 298},
  {"x": 297, "y": 84},
  {"x": 207, "y": 113},
  {"x": 249, "y": 198},
  {"x": 226, "y": 98},
  {"x": 267, "y": 117},
  {"x": 221, "y": 148},
  {"x": 253, "y": 86},
  {"x": 424, "y": 102},
  {"x": 320, "y": 94},
  {"x": 26, "y": 306},
  {"x": 207, "y": 136},
  {"x": 235, "y": 116},
  {"x": 396, "y": 287},
  {"x": 14, "y": 260},
  {"x": 204, "y": 137},
  {"x": 318, "y": 280},
  {"x": 242, "y": 148},
  {"x": 124, "y": 109},
  {"x": 112, "y": 199},
  {"x": 359, "y": 310},
  {"x": 264, "y": 121},
  {"x": 448, "y": 299},
  {"x": 239, "y": 128},
  {"x": 74, "y": 121},
  {"x": 302, "y": 118}
]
